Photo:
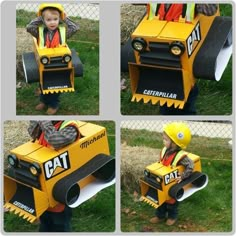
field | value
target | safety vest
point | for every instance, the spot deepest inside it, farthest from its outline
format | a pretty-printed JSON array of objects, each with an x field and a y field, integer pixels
[
  {"x": 172, "y": 159},
  {"x": 173, "y": 13},
  {"x": 58, "y": 126},
  {"x": 58, "y": 38}
]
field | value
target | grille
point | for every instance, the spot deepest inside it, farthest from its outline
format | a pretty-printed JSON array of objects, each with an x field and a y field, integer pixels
[
  {"x": 152, "y": 181},
  {"x": 23, "y": 174},
  {"x": 56, "y": 62},
  {"x": 159, "y": 54}
]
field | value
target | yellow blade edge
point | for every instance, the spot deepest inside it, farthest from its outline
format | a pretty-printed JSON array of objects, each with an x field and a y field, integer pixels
[{"x": 155, "y": 100}]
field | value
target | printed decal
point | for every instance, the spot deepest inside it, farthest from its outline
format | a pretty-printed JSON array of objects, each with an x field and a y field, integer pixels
[
  {"x": 160, "y": 94},
  {"x": 92, "y": 140},
  {"x": 56, "y": 165},
  {"x": 193, "y": 39},
  {"x": 23, "y": 207},
  {"x": 171, "y": 177}
]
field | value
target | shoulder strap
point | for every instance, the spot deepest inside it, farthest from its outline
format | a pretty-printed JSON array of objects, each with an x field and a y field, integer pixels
[
  {"x": 41, "y": 37},
  {"x": 62, "y": 30},
  {"x": 162, "y": 153},
  {"x": 190, "y": 12},
  {"x": 181, "y": 154}
]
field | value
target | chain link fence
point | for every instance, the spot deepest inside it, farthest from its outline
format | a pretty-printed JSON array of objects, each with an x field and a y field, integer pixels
[
  {"x": 83, "y": 10},
  {"x": 211, "y": 129}
]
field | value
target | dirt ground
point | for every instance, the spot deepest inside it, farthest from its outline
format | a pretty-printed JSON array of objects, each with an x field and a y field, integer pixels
[{"x": 15, "y": 134}]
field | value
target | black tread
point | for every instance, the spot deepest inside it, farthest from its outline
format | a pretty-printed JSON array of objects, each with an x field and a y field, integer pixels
[
  {"x": 30, "y": 67},
  {"x": 100, "y": 162},
  {"x": 215, "y": 40},
  {"x": 127, "y": 55},
  {"x": 197, "y": 178},
  {"x": 77, "y": 64}
]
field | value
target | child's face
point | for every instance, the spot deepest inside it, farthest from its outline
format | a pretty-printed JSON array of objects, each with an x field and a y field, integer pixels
[
  {"x": 51, "y": 19},
  {"x": 166, "y": 140}
]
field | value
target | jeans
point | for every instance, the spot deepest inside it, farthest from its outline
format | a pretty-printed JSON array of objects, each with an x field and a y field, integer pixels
[
  {"x": 189, "y": 107},
  {"x": 56, "y": 221},
  {"x": 51, "y": 100},
  {"x": 170, "y": 209}
]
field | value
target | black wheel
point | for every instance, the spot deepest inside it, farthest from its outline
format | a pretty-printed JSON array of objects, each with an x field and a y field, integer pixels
[
  {"x": 77, "y": 64},
  {"x": 127, "y": 55},
  {"x": 30, "y": 67},
  {"x": 107, "y": 172},
  {"x": 66, "y": 195},
  {"x": 176, "y": 191}
]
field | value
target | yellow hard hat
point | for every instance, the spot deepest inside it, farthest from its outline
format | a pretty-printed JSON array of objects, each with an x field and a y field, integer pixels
[
  {"x": 179, "y": 133},
  {"x": 57, "y": 6}
]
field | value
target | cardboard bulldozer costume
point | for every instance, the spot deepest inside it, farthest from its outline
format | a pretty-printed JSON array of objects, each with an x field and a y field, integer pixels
[
  {"x": 54, "y": 68},
  {"x": 41, "y": 177},
  {"x": 159, "y": 185},
  {"x": 164, "y": 58}
]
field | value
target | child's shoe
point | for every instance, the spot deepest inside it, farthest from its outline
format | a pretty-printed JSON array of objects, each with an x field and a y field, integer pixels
[
  {"x": 170, "y": 222},
  {"x": 40, "y": 106},
  {"x": 52, "y": 111},
  {"x": 155, "y": 220}
]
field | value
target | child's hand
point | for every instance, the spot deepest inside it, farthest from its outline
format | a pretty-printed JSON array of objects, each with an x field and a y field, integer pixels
[{"x": 178, "y": 179}]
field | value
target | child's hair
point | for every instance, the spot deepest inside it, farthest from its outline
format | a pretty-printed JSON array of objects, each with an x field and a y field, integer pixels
[{"x": 52, "y": 10}]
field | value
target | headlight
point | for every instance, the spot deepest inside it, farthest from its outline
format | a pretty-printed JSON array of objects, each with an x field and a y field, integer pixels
[
  {"x": 139, "y": 44},
  {"x": 44, "y": 60},
  {"x": 35, "y": 169},
  {"x": 177, "y": 48},
  {"x": 146, "y": 173},
  {"x": 12, "y": 160},
  {"x": 67, "y": 58},
  {"x": 158, "y": 179}
]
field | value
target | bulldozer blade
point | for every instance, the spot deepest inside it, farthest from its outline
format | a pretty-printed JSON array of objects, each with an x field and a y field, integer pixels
[
  {"x": 28, "y": 202},
  {"x": 59, "y": 91},
  {"x": 149, "y": 194},
  {"x": 153, "y": 84},
  {"x": 155, "y": 100},
  {"x": 56, "y": 81}
]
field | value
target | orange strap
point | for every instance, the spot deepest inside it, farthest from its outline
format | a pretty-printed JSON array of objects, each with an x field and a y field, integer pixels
[
  {"x": 173, "y": 13},
  {"x": 55, "y": 40},
  {"x": 58, "y": 208},
  {"x": 171, "y": 201},
  {"x": 167, "y": 161}
]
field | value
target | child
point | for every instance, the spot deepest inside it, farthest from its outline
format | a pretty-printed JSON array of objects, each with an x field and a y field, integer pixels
[
  {"x": 56, "y": 134},
  {"x": 51, "y": 15},
  {"x": 176, "y": 136}
]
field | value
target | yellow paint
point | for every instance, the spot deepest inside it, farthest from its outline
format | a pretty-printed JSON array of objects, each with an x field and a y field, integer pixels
[
  {"x": 93, "y": 142},
  {"x": 59, "y": 51},
  {"x": 160, "y": 170},
  {"x": 159, "y": 31}
]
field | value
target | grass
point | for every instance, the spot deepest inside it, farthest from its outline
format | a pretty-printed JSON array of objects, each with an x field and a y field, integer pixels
[
  {"x": 88, "y": 217},
  {"x": 209, "y": 210},
  {"x": 85, "y": 99},
  {"x": 215, "y": 98}
]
